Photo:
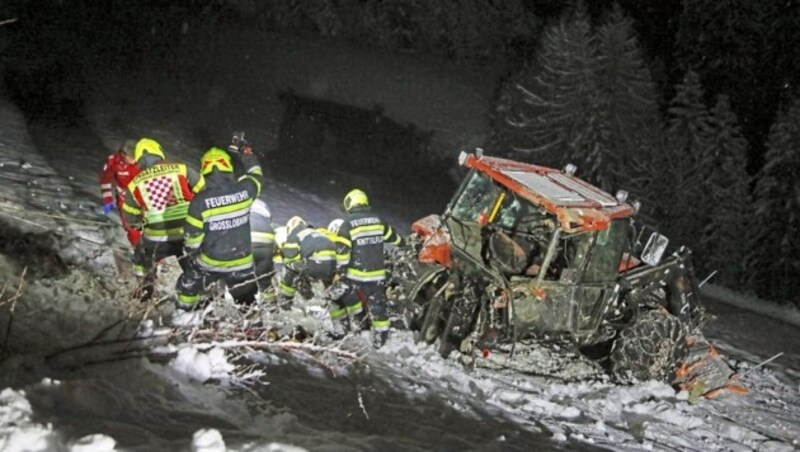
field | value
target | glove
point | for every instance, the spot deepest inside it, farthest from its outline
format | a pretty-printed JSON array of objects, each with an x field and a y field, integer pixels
[{"x": 108, "y": 207}]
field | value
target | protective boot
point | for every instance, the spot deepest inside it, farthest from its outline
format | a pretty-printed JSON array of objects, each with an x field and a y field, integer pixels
[
  {"x": 340, "y": 328},
  {"x": 379, "y": 338}
]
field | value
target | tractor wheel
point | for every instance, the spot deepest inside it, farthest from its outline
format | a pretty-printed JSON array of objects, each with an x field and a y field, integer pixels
[
  {"x": 431, "y": 325},
  {"x": 446, "y": 344},
  {"x": 651, "y": 348},
  {"x": 421, "y": 295}
]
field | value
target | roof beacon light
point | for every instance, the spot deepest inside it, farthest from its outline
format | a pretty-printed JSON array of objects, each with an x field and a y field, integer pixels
[
  {"x": 570, "y": 169},
  {"x": 621, "y": 195},
  {"x": 462, "y": 158},
  {"x": 479, "y": 152}
]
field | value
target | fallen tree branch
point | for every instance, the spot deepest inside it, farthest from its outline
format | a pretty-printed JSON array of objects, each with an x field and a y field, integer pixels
[{"x": 13, "y": 301}]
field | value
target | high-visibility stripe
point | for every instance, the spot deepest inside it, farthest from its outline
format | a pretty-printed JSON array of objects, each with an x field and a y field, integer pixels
[
  {"x": 138, "y": 270},
  {"x": 105, "y": 186},
  {"x": 346, "y": 242},
  {"x": 337, "y": 313},
  {"x": 355, "y": 309},
  {"x": 262, "y": 237},
  {"x": 366, "y": 276},
  {"x": 194, "y": 241},
  {"x": 224, "y": 211},
  {"x": 199, "y": 185},
  {"x": 366, "y": 231},
  {"x": 131, "y": 209},
  {"x": 188, "y": 301},
  {"x": 388, "y": 233},
  {"x": 287, "y": 290},
  {"x": 323, "y": 256},
  {"x": 163, "y": 235},
  {"x": 342, "y": 259},
  {"x": 176, "y": 212},
  {"x": 194, "y": 222},
  {"x": 242, "y": 263},
  {"x": 380, "y": 325}
]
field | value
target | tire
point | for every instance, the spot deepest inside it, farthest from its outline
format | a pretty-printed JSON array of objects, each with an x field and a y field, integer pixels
[
  {"x": 651, "y": 348},
  {"x": 446, "y": 345},
  {"x": 431, "y": 326},
  {"x": 422, "y": 293}
]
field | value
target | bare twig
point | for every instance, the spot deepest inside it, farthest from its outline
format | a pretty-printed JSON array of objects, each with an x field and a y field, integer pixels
[
  {"x": 13, "y": 301},
  {"x": 707, "y": 278},
  {"x": 763, "y": 363},
  {"x": 8, "y": 21},
  {"x": 361, "y": 404}
]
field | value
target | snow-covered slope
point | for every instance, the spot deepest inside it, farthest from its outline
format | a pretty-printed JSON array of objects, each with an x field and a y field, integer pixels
[{"x": 404, "y": 395}]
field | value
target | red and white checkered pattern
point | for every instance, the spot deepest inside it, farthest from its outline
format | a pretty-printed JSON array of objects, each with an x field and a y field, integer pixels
[{"x": 160, "y": 193}]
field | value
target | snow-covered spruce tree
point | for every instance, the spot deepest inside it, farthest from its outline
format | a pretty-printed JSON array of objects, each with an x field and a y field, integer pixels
[
  {"x": 745, "y": 49},
  {"x": 689, "y": 136},
  {"x": 548, "y": 110},
  {"x": 726, "y": 187},
  {"x": 629, "y": 109},
  {"x": 587, "y": 98},
  {"x": 773, "y": 263}
]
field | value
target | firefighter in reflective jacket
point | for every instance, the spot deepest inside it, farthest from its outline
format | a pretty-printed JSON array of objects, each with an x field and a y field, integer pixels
[
  {"x": 155, "y": 204},
  {"x": 118, "y": 171},
  {"x": 307, "y": 252},
  {"x": 218, "y": 231},
  {"x": 262, "y": 236},
  {"x": 360, "y": 249}
]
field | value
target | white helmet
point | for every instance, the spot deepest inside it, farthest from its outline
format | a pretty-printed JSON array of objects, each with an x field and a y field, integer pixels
[
  {"x": 280, "y": 236},
  {"x": 294, "y": 223},
  {"x": 334, "y": 225}
]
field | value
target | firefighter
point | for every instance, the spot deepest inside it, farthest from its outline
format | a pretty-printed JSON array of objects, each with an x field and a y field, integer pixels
[
  {"x": 120, "y": 168},
  {"x": 360, "y": 252},
  {"x": 262, "y": 236},
  {"x": 308, "y": 253},
  {"x": 155, "y": 204},
  {"x": 218, "y": 230}
]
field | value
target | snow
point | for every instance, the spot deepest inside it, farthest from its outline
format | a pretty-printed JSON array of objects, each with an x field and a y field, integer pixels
[
  {"x": 588, "y": 412},
  {"x": 17, "y": 431}
]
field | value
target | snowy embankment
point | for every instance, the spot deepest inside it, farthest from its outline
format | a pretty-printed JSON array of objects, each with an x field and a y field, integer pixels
[
  {"x": 786, "y": 313},
  {"x": 72, "y": 303}
]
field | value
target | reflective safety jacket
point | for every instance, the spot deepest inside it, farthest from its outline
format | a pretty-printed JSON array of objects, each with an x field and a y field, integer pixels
[
  {"x": 218, "y": 223},
  {"x": 116, "y": 175},
  {"x": 341, "y": 260},
  {"x": 158, "y": 199},
  {"x": 261, "y": 231},
  {"x": 360, "y": 248},
  {"x": 307, "y": 243}
]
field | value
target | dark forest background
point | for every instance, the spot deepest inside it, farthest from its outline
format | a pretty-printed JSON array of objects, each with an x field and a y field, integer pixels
[{"x": 692, "y": 106}]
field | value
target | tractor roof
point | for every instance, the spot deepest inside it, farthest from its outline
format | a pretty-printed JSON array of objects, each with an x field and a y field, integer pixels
[{"x": 578, "y": 205}]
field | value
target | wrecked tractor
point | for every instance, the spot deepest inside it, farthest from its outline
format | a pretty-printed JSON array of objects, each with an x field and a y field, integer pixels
[{"x": 524, "y": 251}]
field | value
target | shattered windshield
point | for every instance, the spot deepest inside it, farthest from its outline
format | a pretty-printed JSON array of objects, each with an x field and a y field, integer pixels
[
  {"x": 607, "y": 253},
  {"x": 477, "y": 199}
]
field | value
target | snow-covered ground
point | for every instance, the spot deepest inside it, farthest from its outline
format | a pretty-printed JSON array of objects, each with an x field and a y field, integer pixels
[
  {"x": 62, "y": 309},
  {"x": 70, "y": 265}
]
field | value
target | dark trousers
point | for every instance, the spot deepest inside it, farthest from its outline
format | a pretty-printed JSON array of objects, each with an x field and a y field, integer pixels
[
  {"x": 262, "y": 255},
  {"x": 148, "y": 252},
  {"x": 372, "y": 294},
  {"x": 195, "y": 280}
]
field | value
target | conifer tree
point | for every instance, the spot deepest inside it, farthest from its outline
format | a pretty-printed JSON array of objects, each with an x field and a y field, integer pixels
[
  {"x": 588, "y": 99},
  {"x": 774, "y": 260},
  {"x": 629, "y": 107},
  {"x": 723, "y": 172},
  {"x": 689, "y": 137},
  {"x": 544, "y": 109}
]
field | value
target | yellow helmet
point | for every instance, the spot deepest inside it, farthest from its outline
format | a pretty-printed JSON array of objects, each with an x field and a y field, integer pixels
[
  {"x": 294, "y": 223},
  {"x": 147, "y": 146},
  {"x": 216, "y": 158},
  {"x": 355, "y": 198}
]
